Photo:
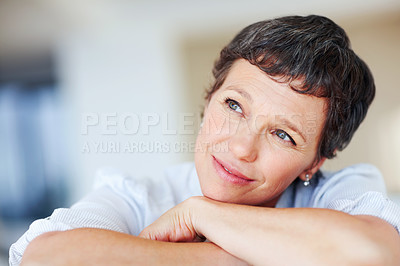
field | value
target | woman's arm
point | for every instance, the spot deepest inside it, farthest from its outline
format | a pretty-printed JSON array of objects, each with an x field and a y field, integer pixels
[
  {"x": 89, "y": 246},
  {"x": 295, "y": 236},
  {"x": 104, "y": 247}
]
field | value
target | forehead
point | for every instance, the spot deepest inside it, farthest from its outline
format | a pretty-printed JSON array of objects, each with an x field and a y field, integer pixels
[{"x": 271, "y": 99}]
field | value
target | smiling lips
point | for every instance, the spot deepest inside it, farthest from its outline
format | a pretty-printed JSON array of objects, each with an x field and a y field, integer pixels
[{"x": 228, "y": 173}]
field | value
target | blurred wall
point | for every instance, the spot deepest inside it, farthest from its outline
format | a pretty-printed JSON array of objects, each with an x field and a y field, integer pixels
[{"x": 152, "y": 59}]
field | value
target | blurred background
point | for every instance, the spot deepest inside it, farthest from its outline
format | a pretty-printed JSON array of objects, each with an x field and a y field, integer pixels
[{"x": 97, "y": 83}]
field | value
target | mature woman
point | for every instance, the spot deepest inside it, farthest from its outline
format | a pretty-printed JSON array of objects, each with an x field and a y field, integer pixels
[{"x": 288, "y": 94}]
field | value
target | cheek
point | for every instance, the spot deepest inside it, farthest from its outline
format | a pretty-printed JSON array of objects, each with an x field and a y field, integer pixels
[
  {"x": 282, "y": 167},
  {"x": 215, "y": 125},
  {"x": 210, "y": 139}
]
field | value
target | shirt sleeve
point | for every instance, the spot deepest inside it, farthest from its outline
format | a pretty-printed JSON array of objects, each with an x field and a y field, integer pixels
[
  {"x": 115, "y": 204},
  {"x": 357, "y": 190}
]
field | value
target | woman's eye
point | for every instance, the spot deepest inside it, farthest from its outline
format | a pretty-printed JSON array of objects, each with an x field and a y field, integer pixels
[
  {"x": 234, "y": 105},
  {"x": 284, "y": 136}
]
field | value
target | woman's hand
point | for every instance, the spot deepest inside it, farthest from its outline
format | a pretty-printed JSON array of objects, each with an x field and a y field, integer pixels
[
  {"x": 265, "y": 236},
  {"x": 181, "y": 224},
  {"x": 177, "y": 224}
]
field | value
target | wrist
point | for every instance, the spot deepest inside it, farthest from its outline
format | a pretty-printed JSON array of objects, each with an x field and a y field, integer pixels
[{"x": 201, "y": 212}]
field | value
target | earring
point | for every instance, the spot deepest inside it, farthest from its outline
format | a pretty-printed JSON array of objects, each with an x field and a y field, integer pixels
[{"x": 307, "y": 182}]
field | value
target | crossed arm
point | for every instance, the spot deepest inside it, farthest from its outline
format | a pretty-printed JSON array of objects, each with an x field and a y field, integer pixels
[{"x": 238, "y": 235}]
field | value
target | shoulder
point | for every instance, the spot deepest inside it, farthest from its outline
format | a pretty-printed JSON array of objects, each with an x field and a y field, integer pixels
[
  {"x": 366, "y": 172},
  {"x": 183, "y": 180},
  {"x": 118, "y": 202},
  {"x": 176, "y": 178},
  {"x": 144, "y": 198},
  {"x": 346, "y": 183},
  {"x": 349, "y": 182},
  {"x": 356, "y": 190},
  {"x": 175, "y": 184}
]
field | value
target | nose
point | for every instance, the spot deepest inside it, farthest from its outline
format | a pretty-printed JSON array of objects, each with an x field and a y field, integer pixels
[{"x": 244, "y": 146}]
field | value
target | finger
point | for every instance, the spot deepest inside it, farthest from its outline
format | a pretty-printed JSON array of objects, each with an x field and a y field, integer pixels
[{"x": 146, "y": 235}]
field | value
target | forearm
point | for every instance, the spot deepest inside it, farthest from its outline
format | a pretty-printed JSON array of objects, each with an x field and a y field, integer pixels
[
  {"x": 267, "y": 236},
  {"x": 88, "y": 246}
]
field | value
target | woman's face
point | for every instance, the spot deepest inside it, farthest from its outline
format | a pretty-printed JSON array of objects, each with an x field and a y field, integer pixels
[{"x": 258, "y": 135}]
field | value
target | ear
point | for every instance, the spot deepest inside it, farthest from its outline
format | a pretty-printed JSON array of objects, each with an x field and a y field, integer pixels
[{"x": 313, "y": 170}]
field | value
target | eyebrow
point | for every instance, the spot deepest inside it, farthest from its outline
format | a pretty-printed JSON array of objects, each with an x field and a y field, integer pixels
[
  {"x": 292, "y": 126},
  {"x": 244, "y": 93},
  {"x": 283, "y": 120}
]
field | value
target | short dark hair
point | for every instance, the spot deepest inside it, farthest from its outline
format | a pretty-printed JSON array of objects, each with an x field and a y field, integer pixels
[{"x": 313, "y": 50}]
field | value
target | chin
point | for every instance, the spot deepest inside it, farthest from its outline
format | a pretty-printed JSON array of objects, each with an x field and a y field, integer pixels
[{"x": 217, "y": 194}]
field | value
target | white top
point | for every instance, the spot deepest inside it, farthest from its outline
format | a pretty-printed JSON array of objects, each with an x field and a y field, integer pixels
[{"x": 128, "y": 205}]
